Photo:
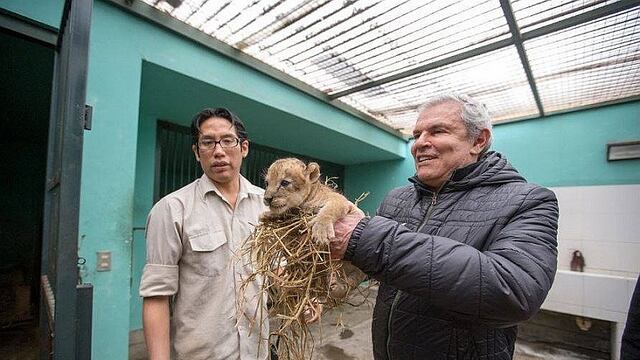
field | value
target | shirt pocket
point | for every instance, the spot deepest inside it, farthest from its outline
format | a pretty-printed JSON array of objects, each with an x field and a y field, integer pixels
[{"x": 207, "y": 256}]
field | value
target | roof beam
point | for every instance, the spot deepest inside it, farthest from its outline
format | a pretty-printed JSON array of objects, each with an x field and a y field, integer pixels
[
  {"x": 429, "y": 66},
  {"x": 579, "y": 19},
  {"x": 517, "y": 41}
]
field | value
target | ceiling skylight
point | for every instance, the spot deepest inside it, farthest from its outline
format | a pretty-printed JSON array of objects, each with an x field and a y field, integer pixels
[{"x": 386, "y": 57}]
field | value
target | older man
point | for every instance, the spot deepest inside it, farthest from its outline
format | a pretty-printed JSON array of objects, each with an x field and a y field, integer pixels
[{"x": 463, "y": 253}]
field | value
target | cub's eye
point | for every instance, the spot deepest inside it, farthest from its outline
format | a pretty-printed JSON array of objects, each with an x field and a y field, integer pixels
[
  {"x": 266, "y": 183},
  {"x": 284, "y": 183}
]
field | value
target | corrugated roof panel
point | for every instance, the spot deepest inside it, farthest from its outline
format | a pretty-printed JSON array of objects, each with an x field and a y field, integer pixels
[
  {"x": 337, "y": 45},
  {"x": 596, "y": 62},
  {"x": 380, "y": 40},
  {"x": 495, "y": 78},
  {"x": 531, "y": 14}
]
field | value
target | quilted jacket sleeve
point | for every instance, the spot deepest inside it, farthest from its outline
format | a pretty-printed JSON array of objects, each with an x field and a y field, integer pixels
[{"x": 500, "y": 286}]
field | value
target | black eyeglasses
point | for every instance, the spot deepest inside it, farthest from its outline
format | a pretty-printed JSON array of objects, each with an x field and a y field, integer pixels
[{"x": 225, "y": 143}]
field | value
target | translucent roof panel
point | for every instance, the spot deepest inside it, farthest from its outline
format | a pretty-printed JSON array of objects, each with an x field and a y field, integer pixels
[
  {"x": 335, "y": 45},
  {"x": 368, "y": 40},
  {"x": 580, "y": 52},
  {"x": 531, "y": 14},
  {"x": 596, "y": 62},
  {"x": 497, "y": 79}
]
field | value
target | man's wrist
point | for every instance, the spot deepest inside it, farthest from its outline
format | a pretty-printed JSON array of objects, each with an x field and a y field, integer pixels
[{"x": 355, "y": 236}]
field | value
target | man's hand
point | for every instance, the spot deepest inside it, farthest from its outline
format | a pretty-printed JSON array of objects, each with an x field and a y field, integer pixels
[{"x": 343, "y": 229}]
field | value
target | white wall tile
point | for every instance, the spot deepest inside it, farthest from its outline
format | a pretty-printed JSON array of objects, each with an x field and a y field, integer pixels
[
  {"x": 604, "y": 223},
  {"x": 592, "y": 295}
]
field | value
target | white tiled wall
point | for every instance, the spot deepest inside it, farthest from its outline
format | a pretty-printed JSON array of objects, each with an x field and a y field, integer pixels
[
  {"x": 597, "y": 296},
  {"x": 603, "y": 222}
]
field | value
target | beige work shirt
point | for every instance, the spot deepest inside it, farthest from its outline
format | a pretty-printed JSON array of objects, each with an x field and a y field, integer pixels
[{"x": 193, "y": 241}]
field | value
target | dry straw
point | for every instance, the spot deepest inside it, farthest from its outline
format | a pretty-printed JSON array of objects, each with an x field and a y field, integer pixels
[{"x": 297, "y": 272}]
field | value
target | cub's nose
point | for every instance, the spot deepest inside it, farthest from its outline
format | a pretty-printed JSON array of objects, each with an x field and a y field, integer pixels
[{"x": 267, "y": 200}]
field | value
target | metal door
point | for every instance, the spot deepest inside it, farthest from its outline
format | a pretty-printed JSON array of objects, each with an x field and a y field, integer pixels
[{"x": 65, "y": 319}]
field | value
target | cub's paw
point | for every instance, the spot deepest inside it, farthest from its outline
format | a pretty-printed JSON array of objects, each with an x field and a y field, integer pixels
[{"x": 322, "y": 231}]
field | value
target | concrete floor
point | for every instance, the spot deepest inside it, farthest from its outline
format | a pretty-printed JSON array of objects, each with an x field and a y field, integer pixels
[{"x": 352, "y": 340}]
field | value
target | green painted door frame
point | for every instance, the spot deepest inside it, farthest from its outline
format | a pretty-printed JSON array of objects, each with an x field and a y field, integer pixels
[{"x": 65, "y": 319}]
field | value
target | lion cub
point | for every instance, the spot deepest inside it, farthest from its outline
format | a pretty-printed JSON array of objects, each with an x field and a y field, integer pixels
[{"x": 291, "y": 184}]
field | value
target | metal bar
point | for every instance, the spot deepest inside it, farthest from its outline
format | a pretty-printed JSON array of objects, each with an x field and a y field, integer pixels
[
  {"x": 561, "y": 14},
  {"x": 207, "y": 19},
  {"x": 171, "y": 168},
  {"x": 391, "y": 58},
  {"x": 382, "y": 63},
  {"x": 371, "y": 29},
  {"x": 582, "y": 66},
  {"x": 266, "y": 47},
  {"x": 360, "y": 71},
  {"x": 517, "y": 39},
  {"x": 32, "y": 30},
  {"x": 594, "y": 33},
  {"x": 84, "y": 311},
  {"x": 579, "y": 19},
  {"x": 262, "y": 13},
  {"x": 233, "y": 17},
  {"x": 590, "y": 106},
  {"x": 317, "y": 45},
  {"x": 289, "y": 19},
  {"x": 420, "y": 69},
  {"x": 560, "y": 25},
  {"x": 360, "y": 44},
  {"x": 311, "y": 36}
]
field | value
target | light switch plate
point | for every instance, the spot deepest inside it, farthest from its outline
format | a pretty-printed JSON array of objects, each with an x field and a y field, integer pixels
[{"x": 103, "y": 262}]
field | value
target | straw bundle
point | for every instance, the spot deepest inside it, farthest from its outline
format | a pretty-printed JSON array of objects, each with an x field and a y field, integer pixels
[{"x": 297, "y": 273}]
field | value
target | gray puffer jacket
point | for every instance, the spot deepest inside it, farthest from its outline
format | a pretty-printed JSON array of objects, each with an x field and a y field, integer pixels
[{"x": 459, "y": 268}]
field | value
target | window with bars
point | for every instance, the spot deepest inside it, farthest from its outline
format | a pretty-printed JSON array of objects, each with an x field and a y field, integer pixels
[{"x": 176, "y": 165}]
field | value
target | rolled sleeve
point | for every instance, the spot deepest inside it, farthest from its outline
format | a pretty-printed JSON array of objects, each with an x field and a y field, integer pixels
[
  {"x": 159, "y": 280},
  {"x": 160, "y": 276}
]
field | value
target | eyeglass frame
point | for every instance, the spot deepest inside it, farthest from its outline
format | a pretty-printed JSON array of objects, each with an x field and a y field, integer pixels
[{"x": 219, "y": 142}]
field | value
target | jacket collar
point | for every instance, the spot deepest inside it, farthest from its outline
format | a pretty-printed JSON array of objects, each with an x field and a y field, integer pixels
[{"x": 491, "y": 169}]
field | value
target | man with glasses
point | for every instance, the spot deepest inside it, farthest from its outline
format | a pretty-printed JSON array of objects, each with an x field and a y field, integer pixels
[{"x": 193, "y": 263}]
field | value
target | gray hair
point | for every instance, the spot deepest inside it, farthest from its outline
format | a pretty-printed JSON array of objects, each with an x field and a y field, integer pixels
[{"x": 474, "y": 114}]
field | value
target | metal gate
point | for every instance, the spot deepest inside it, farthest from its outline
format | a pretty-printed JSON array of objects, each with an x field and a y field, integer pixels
[
  {"x": 176, "y": 165},
  {"x": 65, "y": 311}
]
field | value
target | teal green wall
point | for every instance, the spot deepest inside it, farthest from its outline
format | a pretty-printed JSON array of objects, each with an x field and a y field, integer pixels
[
  {"x": 377, "y": 178},
  {"x": 139, "y": 73},
  {"x": 570, "y": 149},
  {"x": 129, "y": 60},
  {"x": 47, "y": 12},
  {"x": 560, "y": 150}
]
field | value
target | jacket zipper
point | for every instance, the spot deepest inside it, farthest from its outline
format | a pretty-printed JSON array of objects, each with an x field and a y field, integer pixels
[{"x": 396, "y": 298}]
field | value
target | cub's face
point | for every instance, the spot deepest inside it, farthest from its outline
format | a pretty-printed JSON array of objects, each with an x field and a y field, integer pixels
[{"x": 289, "y": 182}]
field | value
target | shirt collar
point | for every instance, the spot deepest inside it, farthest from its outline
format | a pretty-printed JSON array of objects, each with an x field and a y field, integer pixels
[{"x": 246, "y": 187}]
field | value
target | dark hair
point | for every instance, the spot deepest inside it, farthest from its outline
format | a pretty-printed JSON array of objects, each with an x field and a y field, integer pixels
[{"x": 209, "y": 113}]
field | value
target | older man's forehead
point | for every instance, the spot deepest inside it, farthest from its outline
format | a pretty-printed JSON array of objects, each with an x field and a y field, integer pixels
[{"x": 440, "y": 114}]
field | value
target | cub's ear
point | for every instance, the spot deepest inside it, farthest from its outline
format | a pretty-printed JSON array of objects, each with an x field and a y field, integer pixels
[{"x": 313, "y": 172}]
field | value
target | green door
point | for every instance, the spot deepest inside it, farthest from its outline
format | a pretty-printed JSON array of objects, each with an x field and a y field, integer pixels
[{"x": 65, "y": 319}]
